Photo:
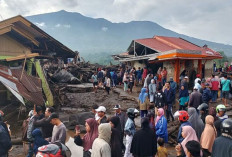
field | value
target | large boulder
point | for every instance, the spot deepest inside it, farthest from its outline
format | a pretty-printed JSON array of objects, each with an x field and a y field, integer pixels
[
  {"x": 79, "y": 119},
  {"x": 63, "y": 76}
]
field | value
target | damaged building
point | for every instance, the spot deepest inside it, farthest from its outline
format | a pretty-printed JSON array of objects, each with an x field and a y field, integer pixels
[
  {"x": 176, "y": 54},
  {"x": 23, "y": 48}
]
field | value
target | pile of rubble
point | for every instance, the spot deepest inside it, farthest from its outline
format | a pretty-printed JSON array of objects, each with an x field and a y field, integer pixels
[{"x": 71, "y": 78}]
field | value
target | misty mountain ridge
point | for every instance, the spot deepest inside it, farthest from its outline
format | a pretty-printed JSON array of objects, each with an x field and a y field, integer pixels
[{"x": 95, "y": 37}]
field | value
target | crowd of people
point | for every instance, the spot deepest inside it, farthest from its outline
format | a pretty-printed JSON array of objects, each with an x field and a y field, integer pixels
[{"x": 204, "y": 130}]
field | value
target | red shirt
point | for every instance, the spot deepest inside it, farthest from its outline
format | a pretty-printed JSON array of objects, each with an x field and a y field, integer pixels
[
  {"x": 164, "y": 73},
  {"x": 215, "y": 84},
  {"x": 145, "y": 71}
]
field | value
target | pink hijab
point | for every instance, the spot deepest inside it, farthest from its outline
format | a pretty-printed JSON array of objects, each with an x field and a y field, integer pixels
[
  {"x": 161, "y": 112},
  {"x": 190, "y": 134},
  {"x": 89, "y": 137}
]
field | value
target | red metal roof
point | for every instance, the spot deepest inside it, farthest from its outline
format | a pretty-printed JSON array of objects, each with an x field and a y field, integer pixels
[
  {"x": 162, "y": 44},
  {"x": 154, "y": 44}
]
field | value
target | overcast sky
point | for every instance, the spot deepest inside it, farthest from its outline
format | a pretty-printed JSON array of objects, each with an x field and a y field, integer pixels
[{"x": 204, "y": 19}]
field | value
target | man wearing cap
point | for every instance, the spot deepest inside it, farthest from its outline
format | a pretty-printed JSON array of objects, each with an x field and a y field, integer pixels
[
  {"x": 195, "y": 98},
  {"x": 123, "y": 118},
  {"x": 59, "y": 129},
  {"x": 197, "y": 79},
  {"x": 122, "y": 115},
  {"x": 184, "y": 82},
  {"x": 101, "y": 111}
]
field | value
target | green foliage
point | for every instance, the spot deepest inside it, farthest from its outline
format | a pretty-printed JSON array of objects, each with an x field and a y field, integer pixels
[
  {"x": 103, "y": 58},
  {"x": 224, "y": 59}
]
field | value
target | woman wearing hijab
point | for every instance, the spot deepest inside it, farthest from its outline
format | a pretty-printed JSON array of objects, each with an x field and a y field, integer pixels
[
  {"x": 38, "y": 140},
  {"x": 143, "y": 102},
  {"x": 183, "y": 98},
  {"x": 212, "y": 112},
  {"x": 145, "y": 81},
  {"x": 208, "y": 136},
  {"x": 188, "y": 134},
  {"x": 152, "y": 90},
  {"x": 101, "y": 145},
  {"x": 151, "y": 117},
  {"x": 161, "y": 125},
  {"x": 196, "y": 122},
  {"x": 91, "y": 127},
  {"x": 144, "y": 142},
  {"x": 116, "y": 137}
]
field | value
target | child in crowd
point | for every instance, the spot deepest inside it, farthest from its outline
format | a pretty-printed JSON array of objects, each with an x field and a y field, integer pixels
[{"x": 162, "y": 151}]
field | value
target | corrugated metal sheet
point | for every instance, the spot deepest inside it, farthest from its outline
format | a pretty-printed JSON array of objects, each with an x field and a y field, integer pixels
[
  {"x": 28, "y": 87},
  {"x": 163, "y": 44},
  {"x": 31, "y": 83}
]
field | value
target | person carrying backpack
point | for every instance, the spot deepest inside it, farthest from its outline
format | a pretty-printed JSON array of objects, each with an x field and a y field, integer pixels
[{"x": 160, "y": 99}]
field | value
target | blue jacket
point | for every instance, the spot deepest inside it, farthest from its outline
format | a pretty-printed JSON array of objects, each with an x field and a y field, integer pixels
[
  {"x": 162, "y": 129},
  {"x": 5, "y": 141},
  {"x": 179, "y": 137},
  {"x": 130, "y": 127},
  {"x": 173, "y": 85},
  {"x": 170, "y": 95},
  {"x": 100, "y": 74},
  {"x": 206, "y": 95},
  {"x": 139, "y": 74},
  {"x": 39, "y": 140}
]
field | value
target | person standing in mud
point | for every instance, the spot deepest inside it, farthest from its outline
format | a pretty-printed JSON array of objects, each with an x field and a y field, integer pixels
[
  {"x": 100, "y": 76},
  {"x": 131, "y": 80},
  {"x": 159, "y": 100},
  {"x": 125, "y": 81},
  {"x": 143, "y": 102},
  {"x": 37, "y": 112},
  {"x": 94, "y": 79},
  {"x": 170, "y": 96},
  {"x": 145, "y": 72},
  {"x": 139, "y": 76},
  {"x": 44, "y": 124},
  {"x": 101, "y": 111},
  {"x": 107, "y": 84},
  {"x": 123, "y": 118}
]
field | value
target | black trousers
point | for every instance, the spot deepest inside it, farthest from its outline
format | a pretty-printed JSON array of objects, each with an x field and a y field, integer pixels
[{"x": 107, "y": 89}]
